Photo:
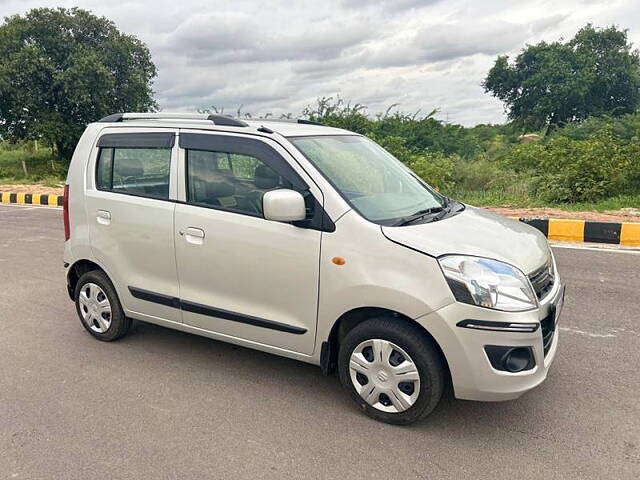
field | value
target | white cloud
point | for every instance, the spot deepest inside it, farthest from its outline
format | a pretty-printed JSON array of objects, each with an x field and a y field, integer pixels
[{"x": 279, "y": 56}]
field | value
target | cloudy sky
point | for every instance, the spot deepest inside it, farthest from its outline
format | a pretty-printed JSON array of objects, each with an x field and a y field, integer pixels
[{"x": 280, "y": 55}]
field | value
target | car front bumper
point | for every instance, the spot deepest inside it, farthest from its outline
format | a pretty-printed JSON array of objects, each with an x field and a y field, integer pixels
[{"x": 473, "y": 376}]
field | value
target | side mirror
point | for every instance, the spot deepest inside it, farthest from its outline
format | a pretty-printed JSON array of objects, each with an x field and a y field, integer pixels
[{"x": 283, "y": 205}]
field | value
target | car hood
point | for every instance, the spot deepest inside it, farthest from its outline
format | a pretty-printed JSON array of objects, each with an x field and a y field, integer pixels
[{"x": 476, "y": 232}]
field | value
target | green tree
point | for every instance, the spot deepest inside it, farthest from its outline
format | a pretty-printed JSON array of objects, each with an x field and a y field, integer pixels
[
  {"x": 550, "y": 84},
  {"x": 62, "y": 69}
]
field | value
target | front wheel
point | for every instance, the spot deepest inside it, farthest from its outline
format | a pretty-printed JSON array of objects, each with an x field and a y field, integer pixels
[{"x": 392, "y": 369}]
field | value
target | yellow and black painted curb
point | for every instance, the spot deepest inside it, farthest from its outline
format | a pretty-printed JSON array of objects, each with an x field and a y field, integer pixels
[
  {"x": 625, "y": 233},
  {"x": 32, "y": 199}
]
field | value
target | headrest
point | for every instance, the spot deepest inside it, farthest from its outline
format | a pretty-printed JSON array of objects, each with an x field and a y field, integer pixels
[
  {"x": 129, "y": 167},
  {"x": 219, "y": 189},
  {"x": 265, "y": 178}
]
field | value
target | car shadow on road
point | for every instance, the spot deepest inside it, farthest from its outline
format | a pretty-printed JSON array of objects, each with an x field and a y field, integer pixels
[{"x": 452, "y": 417}]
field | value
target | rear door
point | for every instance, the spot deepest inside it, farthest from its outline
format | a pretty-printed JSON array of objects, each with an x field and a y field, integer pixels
[
  {"x": 240, "y": 275},
  {"x": 130, "y": 203}
]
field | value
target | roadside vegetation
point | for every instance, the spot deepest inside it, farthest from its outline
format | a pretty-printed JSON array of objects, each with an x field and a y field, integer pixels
[
  {"x": 593, "y": 164},
  {"x": 24, "y": 163},
  {"x": 572, "y": 139}
]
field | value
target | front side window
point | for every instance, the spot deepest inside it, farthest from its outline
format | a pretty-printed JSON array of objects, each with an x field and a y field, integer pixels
[
  {"x": 229, "y": 181},
  {"x": 135, "y": 171},
  {"x": 375, "y": 183}
]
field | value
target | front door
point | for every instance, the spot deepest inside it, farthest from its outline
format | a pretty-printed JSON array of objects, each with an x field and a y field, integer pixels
[{"x": 241, "y": 275}]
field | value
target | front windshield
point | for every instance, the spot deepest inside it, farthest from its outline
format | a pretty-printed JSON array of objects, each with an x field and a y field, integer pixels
[{"x": 373, "y": 181}]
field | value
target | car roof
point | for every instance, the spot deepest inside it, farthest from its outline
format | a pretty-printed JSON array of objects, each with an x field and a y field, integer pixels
[
  {"x": 284, "y": 127},
  {"x": 294, "y": 129}
]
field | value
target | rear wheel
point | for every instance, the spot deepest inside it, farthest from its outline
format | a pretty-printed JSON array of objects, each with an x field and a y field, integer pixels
[
  {"x": 392, "y": 369},
  {"x": 99, "y": 308}
]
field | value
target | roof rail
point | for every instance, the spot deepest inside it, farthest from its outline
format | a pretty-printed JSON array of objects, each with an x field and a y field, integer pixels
[
  {"x": 289, "y": 120},
  {"x": 216, "y": 119},
  {"x": 116, "y": 117},
  {"x": 228, "y": 121},
  {"x": 310, "y": 122}
]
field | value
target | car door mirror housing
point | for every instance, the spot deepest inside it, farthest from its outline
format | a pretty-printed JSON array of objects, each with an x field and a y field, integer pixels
[{"x": 283, "y": 205}]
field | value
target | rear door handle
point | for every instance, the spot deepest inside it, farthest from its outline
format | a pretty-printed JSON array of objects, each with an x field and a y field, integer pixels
[
  {"x": 103, "y": 217},
  {"x": 194, "y": 235}
]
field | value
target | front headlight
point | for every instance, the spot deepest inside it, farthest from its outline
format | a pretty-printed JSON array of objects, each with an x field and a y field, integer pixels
[{"x": 488, "y": 283}]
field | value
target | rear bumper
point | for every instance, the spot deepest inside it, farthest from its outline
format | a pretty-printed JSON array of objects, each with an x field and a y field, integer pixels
[{"x": 473, "y": 376}]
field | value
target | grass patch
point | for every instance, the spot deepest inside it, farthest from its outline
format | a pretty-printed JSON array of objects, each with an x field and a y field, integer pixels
[
  {"x": 494, "y": 198},
  {"x": 41, "y": 167},
  {"x": 614, "y": 203},
  {"x": 502, "y": 198}
]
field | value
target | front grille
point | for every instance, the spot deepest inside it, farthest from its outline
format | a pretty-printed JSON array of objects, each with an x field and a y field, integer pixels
[
  {"x": 542, "y": 279},
  {"x": 547, "y": 326}
]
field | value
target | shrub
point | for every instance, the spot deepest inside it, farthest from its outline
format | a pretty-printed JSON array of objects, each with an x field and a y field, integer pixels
[
  {"x": 626, "y": 127},
  {"x": 396, "y": 146},
  {"x": 437, "y": 170},
  {"x": 484, "y": 175},
  {"x": 583, "y": 170},
  {"x": 526, "y": 157}
]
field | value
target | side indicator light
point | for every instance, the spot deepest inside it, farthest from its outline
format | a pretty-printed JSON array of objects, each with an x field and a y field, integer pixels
[{"x": 338, "y": 260}]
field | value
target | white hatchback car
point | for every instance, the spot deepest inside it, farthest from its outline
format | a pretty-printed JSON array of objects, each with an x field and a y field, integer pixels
[{"x": 309, "y": 242}]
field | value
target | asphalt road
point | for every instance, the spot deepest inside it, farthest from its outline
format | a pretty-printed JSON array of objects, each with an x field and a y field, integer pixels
[{"x": 163, "y": 404}]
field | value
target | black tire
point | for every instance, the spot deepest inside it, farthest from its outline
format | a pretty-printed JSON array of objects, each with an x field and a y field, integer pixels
[
  {"x": 418, "y": 345},
  {"x": 120, "y": 324}
]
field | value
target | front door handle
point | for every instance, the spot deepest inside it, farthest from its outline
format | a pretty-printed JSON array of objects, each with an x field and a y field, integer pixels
[
  {"x": 194, "y": 235},
  {"x": 103, "y": 217},
  {"x": 195, "y": 232}
]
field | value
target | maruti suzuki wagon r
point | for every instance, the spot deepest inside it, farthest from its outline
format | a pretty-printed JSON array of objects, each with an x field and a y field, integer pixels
[{"x": 309, "y": 242}]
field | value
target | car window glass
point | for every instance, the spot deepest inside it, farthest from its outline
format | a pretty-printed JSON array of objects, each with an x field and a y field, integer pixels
[
  {"x": 136, "y": 171},
  {"x": 375, "y": 183},
  {"x": 230, "y": 181},
  {"x": 103, "y": 172}
]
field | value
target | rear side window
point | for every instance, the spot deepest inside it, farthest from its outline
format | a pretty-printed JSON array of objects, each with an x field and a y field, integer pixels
[
  {"x": 103, "y": 172},
  {"x": 135, "y": 164}
]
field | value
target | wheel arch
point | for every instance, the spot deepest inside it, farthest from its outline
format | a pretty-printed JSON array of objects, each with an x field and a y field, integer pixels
[
  {"x": 79, "y": 268},
  {"x": 348, "y": 320}
]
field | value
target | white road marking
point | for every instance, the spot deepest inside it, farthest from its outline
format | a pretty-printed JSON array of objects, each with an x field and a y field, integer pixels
[
  {"x": 29, "y": 207},
  {"x": 612, "y": 332},
  {"x": 597, "y": 247},
  {"x": 586, "y": 334}
]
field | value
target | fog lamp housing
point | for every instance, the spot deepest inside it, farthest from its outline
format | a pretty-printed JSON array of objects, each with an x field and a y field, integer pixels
[{"x": 510, "y": 359}]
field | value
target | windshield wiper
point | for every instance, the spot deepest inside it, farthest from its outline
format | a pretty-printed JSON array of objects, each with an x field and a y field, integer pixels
[
  {"x": 420, "y": 214},
  {"x": 440, "y": 215},
  {"x": 446, "y": 209}
]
